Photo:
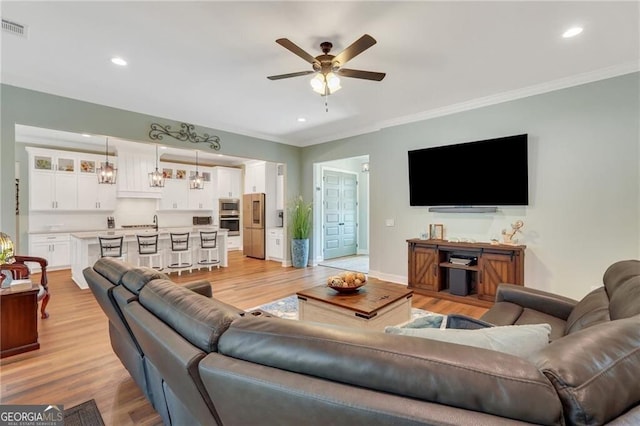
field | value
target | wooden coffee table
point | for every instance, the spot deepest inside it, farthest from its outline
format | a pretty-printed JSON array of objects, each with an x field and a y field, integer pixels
[{"x": 375, "y": 305}]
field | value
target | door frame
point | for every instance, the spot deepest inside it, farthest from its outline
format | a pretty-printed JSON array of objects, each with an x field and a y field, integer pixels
[
  {"x": 320, "y": 232},
  {"x": 317, "y": 241}
]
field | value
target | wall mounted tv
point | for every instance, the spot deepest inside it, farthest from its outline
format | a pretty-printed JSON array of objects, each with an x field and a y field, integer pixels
[{"x": 492, "y": 172}]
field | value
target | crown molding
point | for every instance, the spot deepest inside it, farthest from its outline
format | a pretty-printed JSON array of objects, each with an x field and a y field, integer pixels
[{"x": 537, "y": 89}]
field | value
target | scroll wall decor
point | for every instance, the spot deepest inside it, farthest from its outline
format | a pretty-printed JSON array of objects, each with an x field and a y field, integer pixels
[{"x": 186, "y": 133}]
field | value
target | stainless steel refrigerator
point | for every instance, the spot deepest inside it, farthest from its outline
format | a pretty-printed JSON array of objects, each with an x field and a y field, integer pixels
[{"x": 253, "y": 232}]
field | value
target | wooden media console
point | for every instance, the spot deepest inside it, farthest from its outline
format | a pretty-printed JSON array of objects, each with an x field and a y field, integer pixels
[{"x": 430, "y": 262}]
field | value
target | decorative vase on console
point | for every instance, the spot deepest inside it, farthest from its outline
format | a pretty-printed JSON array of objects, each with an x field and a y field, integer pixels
[{"x": 300, "y": 230}]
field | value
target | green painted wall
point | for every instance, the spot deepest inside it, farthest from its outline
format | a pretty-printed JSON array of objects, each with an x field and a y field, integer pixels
[
  {"x": 584, "y": 159},
  {"x": 584, "y": 211}
]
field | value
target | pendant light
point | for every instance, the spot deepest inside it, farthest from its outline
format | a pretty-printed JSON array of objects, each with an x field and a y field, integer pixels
[
  {"x": 196, "y": 181},
  {"x": 107, "y": 173},
  {"x": 156, "y": 178}
]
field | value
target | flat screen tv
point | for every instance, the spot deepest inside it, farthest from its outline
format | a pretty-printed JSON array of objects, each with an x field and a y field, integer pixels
[{"x": 491, "y": 172}]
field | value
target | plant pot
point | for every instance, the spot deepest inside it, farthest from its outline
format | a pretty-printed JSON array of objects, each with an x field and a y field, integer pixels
[{"x": 299, "y": 253}]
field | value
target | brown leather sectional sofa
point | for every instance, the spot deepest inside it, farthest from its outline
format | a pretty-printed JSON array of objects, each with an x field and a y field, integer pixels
[{"x": 201, "y": 361}]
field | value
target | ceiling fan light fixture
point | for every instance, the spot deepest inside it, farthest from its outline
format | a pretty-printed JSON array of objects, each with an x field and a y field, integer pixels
[
  {"x": 333, "y": 81},
  {"x": 324, "y": 84},
  {"x": 317, "y": 83}
]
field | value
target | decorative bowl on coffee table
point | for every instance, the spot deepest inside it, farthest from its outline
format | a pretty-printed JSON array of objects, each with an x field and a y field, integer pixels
[
  {"x": 347, "y": 282},
  {"x": 350, "y": 289}
]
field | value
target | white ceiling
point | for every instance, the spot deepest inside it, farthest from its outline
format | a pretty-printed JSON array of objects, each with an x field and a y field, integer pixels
[{"x": 206, "y": 62}]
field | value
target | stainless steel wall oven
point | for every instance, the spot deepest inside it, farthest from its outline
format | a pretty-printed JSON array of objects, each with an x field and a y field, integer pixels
[
  {"x": 231, "y": 223},
  {"x": 230, "y": 215}
]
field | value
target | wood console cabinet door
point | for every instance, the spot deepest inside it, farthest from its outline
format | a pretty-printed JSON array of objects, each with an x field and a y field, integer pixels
[
  {"x": 496, "y": 268},
  {"x": 19, "y": 325},
  {"x": 423, "y": 267}
]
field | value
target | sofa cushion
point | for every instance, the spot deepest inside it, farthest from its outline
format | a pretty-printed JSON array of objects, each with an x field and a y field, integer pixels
[
  {"x": 518, "y": 340},
  {"x": 455, "y": 375},
  {"x": 531, "y": 316},
  {"x": 503, "y": 313},
  {"x": 198, "y": 319},
  {"x": 595, "y": 371},
  {"x": 112, "y": 269},
  {"x": 136, "y": 278},
  {"x": 592, "y": 309},
  {"x": 619, "y": 273},
  {"x": 625, "y": 301}
]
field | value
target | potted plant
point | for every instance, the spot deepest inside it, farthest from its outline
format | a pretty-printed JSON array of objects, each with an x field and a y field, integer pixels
[{"x": 300, "y": 214}]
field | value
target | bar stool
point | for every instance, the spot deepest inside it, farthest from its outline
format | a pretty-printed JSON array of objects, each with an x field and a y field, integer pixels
[
  {"x": 112, "y": 247},
  {"x": 148, "y": 249},
  {"x": 209, "y": 245},
  {"x": 181, "y": 252}
]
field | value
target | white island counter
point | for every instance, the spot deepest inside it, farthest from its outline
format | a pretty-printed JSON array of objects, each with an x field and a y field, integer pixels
[{"x": 85, "y": 249}]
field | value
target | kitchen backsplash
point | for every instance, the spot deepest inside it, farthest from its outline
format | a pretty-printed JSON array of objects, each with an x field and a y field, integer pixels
[{"x": 129, "y": 211}]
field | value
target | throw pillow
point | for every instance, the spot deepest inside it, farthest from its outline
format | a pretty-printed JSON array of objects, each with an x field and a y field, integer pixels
[
  {"x": 446, "y": 321},
  {"x": 465, "y": 322},
  {"x": 519, "y": 340},
  {"x": 427, "y": 321}
]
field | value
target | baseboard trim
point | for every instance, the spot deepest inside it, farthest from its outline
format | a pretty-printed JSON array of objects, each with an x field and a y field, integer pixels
[{"x": 398, "y": 279}]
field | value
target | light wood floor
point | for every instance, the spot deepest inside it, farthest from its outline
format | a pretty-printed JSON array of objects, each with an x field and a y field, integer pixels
[{"x": 75, "y": 361}]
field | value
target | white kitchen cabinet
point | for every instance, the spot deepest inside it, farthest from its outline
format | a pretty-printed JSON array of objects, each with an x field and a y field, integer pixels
[
  {"x": 52, "y": 180},
  {"x": 275, "y": 244},
  {"x": 135, "y": 162},
  {"x": 234, "y": 243},
  {"x": 280, "y": 187},
  {"x": 91, "y": 194},
  {"x": 56, "y": 248},
  {"x": 175, "y": 195},
  {"x": 227, "y": 182},
  {"x": 254, "y": 177},
  {"x": 260, "y": 176},
  {"x": 202, "y": 199}
]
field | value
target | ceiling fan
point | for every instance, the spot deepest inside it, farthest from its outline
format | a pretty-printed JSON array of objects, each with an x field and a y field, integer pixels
[{"x": 328, "y": 67}]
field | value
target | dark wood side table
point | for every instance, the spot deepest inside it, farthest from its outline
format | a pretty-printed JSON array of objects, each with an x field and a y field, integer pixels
[{"x": 18, "y": 319}]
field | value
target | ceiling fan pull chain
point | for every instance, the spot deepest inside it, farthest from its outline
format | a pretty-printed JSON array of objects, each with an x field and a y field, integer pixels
[{"x": 326, "y": 96}]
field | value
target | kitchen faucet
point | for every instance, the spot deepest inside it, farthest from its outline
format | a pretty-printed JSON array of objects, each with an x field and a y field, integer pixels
[{"x": 155, "y": 221}]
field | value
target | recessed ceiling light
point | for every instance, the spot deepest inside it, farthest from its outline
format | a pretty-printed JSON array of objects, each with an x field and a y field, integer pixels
[
  {"x": 86, "y": 135},
  {"x": 301, "y": 119},
  {"x": 119, "y": 61},
  {"x": 163, "y": 147},
  {"x": 572, "y": 32}
]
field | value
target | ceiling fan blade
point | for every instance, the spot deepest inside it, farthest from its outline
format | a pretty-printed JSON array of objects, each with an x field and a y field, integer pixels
[
  {"x": 293, "y": 74},
  {"x": 294, "y": 48},
  {"x": 356, "y": 48},
  {"x": 367, "y": 75}
]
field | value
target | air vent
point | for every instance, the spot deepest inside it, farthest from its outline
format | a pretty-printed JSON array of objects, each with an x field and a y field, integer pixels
[{"x": 14, "y": 28}]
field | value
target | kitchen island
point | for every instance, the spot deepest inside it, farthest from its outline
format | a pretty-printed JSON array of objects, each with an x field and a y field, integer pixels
[{"x": 85, "y": 248}]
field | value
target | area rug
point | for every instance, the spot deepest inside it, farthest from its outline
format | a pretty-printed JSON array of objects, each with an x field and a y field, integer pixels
[
  {"x": 85, "y": 414},
  {"x": 358, "y": 263},
  {"x": 287, "y": 308}
]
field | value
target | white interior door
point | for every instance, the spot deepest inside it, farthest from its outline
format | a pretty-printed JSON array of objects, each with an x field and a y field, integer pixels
[{"x": 340, "y": 214}]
